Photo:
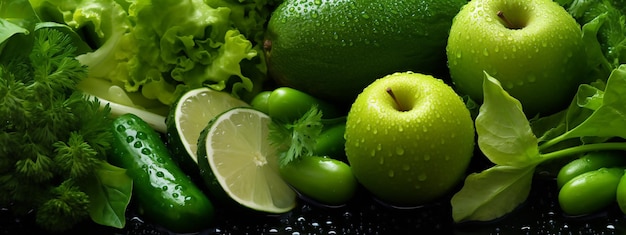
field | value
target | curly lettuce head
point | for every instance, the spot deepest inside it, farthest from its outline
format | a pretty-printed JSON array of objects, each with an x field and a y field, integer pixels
[{"x": 164, "y": 47}]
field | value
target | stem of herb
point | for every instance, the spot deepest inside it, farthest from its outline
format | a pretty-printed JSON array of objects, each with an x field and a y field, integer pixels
[{"x": 583, "y": 149}]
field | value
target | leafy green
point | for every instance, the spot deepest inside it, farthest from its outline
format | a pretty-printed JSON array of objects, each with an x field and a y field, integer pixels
[
  {"x": 604, "y": 32},
  {"x": 160, "y": 48},
  {"x": 296, "y": 139},
  {"x": 492, "y": 193},
  {"x": 595, "y": 119},
  {"x": 507, "y": 140},
  {"x": 53, "y": 141},
  {"x": 504, "y": 133}
]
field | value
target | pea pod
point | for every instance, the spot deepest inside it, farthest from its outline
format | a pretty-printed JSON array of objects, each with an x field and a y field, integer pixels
[
  {"x": 590, "y": 191},
  {"x": 331, "y": 142},
  {"x": 621, "y": 194},
  {"x": 163, "y": 192},
  {"x": 288, "y": 104},
  {"x": 325, "y": 180},
  {"x": 261, "y": 101},
  {"x": 589, "y": 162}
]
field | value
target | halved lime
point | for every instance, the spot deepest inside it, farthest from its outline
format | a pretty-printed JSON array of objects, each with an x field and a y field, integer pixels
[
  {"x": 189, "y": 116},
  {"x": 236, "y": 158}
]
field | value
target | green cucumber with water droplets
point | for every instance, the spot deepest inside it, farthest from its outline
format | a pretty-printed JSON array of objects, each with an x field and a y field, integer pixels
[{"x": 164, "y": 193}]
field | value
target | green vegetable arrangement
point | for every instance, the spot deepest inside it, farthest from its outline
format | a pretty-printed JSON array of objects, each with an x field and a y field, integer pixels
[
  {"x": 53, "y": 141},
  {"x": 594, "y": 121}
]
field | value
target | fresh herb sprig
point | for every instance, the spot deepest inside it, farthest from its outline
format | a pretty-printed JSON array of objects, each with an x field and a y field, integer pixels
[
  {"x": 297, "y": 138},
  {"x": 53, "y": 141}
]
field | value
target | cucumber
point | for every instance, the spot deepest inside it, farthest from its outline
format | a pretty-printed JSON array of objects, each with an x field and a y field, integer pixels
[{"x": 164, "y": 193}]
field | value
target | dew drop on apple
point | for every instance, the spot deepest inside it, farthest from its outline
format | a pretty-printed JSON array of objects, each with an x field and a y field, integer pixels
[
  {"x": 373, "y": 153},
  {"x": 406, "y": 167},
  {"x": 400, "y": 151},
  {"x": 422, "y": 177},
  {"x": 379, "y": 147},
  {"x": 391, "y": 174},
  {"x": 427, "y": 157}
]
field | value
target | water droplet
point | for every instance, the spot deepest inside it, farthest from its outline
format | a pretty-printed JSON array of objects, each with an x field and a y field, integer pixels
[
  {"x": 138, "y": 144},
  {"x": 175, "y": 195},
  {"x": 142, "y": 135},
  {"x": 164, "y": 188},
  {"x": 130, "y": 139},
  {"x": 427, "y": 157},
  {"x": 381, "y": 160},
  {"x": 399, "y": 150},
  {"x": 422, "y": 177},
  {"x": 391, "y": 174},
  {"x": 406, "y": 167},
  {"x": 146, "y": 151},
  {"x": 373, "y": 153},
  {"x": 121, "y": 128},
  {"x": 160, "y": 174},
  {"x": 485, "y": 52}
]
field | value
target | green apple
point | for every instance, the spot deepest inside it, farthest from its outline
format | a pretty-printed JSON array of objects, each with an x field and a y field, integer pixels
[
  {"x": 533, "y": 47},
  {"x": 409, "y": 138}
]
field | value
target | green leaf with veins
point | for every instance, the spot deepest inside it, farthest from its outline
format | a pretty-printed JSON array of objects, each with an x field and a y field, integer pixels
[
  {"x": 608, "y": 120},
  {"x": 504, "y": 133},
  {"x": 492, "y": 193}
]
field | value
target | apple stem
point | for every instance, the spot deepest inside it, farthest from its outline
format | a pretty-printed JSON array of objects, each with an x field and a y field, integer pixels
[
  {"x": 506, "y": 21},
  {"x": 395, "y": 99}
]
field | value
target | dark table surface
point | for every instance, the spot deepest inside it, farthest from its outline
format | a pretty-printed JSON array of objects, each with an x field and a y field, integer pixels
[{"x": 540, "y": 214}]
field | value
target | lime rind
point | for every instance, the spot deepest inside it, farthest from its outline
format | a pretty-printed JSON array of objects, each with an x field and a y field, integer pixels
[
  {"x": 192, "y": 111},
  {"x": 237, "y": 157}
]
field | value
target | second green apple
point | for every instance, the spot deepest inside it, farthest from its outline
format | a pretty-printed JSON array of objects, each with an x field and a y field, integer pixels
[{"x": 534, "y": 48}]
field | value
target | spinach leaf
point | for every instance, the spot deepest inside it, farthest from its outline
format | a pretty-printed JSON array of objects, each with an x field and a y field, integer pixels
[
  {"x": 109, "y": 190},
  {"x": 492, "y": 193},
  {"x": 504, "y": 133}
]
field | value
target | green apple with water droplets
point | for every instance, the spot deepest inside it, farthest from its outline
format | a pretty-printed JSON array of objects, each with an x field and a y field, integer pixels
[
  {"x": 533, "y": 47},
  {"x": 409, "y": 138}
]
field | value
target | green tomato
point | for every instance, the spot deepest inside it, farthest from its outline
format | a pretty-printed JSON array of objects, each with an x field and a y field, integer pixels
[
  {"x": 331, "y": 143},
  {"x": 261, "y": 101},
  {"x": 590, "y": 191},
  {"x": 322, "y": 179},
  {"x": 288, "y": 104},
  {"x": 589, "y": 162}
]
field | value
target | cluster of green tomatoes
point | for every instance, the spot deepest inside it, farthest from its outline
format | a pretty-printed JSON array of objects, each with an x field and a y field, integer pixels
[{"x": 593, "y": 182}]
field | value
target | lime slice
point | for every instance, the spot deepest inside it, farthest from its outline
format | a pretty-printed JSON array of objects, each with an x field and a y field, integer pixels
[
  {"x": 189, "y": 116},
  {"x": 236, "y": 153}
]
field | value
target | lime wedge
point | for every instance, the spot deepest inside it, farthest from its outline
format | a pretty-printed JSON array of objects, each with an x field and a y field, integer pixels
[
  {"x": 238, "y": 160},
  {"x": 189, "y": 116}
]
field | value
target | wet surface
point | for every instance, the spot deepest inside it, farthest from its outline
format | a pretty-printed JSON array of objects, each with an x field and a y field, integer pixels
[{"x": 364, "y": 215}]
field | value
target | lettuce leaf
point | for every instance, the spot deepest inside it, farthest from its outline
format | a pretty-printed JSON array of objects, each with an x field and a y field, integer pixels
[{"x": 161, "y": 48}]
